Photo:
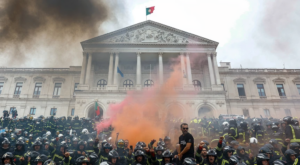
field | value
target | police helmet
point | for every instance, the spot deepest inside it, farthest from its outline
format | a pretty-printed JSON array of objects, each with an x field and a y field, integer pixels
[
  {"x": 41, "y": 158},
  {"x": 189, "y": 161},
  {"x": 159, "y": 148},
  {"x": 113, "y": 154},
  {"x": 234, "y": 159},
  {"x": 167, "y": 154},
  {"x": 49, "y": 162}
]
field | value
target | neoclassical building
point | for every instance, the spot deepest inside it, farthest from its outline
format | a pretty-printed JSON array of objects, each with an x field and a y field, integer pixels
[{"x": 143, "y": 54}]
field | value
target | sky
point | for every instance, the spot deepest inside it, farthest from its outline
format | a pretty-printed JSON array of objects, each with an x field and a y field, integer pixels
[{"x": 251, "y": 33}]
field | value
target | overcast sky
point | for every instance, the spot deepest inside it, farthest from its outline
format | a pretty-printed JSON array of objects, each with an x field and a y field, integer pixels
[{"x": 251, "y": 33}]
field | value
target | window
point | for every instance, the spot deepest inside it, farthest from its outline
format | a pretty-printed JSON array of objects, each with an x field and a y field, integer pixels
[
  {"x": 53, "y": 111},
  {"x": 246, "y": 112},
  {"x": 280, "y": 90},
  {"x": 298, "y": 87},
  {"x": 18, "y": 88},
  {"x": 148, "y": 83},
  {"x": 101, "y": 83},
  {"x": 261, "y": 90},
  {"x": 57, "y": 88},
  {"x": 288, "y": 112},
  {"x": 267, "y": 113},
  {"x": 12, "y": 109},
  {"x": 223, "y": 86},
  {"x": 197, "y": 84},
  {"x": 127, "y": 84},
  {"x": 1, "y": 87},
  {"x": 37, "y": 89},
  {"x": 241, "y": 89},
  {"x": 72, "y": 112},
  {"x": 75, "y": 88},
  {"x": 32, "y": 111}
]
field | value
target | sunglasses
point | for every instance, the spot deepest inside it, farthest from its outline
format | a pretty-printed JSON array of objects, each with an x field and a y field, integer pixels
[{"x": 185, "y": 128}]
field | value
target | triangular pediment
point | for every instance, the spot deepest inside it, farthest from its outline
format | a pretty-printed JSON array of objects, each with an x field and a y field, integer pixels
[{"x": 150, "y": 32}]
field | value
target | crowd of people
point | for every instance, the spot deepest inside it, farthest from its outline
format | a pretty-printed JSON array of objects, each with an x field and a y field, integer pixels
[{"x": 203, "y": 141}]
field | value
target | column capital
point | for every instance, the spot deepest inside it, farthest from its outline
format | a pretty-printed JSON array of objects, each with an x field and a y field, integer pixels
[
  {"x": 138, "y": 53},
  {"x": 208, "y": 54},
  {"x": 214, "y": 54},
  {"x": 160, "y": 53}
]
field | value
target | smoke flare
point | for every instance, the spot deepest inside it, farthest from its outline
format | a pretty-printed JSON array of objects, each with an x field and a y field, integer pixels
[{"x": 144, "y": 115}]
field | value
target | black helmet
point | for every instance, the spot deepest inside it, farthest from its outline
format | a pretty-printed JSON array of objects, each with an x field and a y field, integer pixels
[
  {"x": 270, "y": 146},
  {"x": 244, "y": 125},
  {"x": 69, "y": 117},
  {"x": 234, "y": 142},
  {"x": 33, "y": 155},
  {"x": 76, "y": 118},
  {"x": 81, "y": 159},
  {"x": 159, "y": 148},
  {"x": 167, "y": 154},
  {"x": 288, "y": 119},
  {"x": 260, "y": 157},
  {"x": 189, "y": 161},
  {"x": 121, "y": 143},
  {"x": 141, "y": 144},
  {"x": 239, "y": 149},
  {"x": 234, "y": 159},
  {"x": 5, "y": 141},
  {"x": 138, "y": 147},
  {"x": 275, "y": 127},
  {"x": 273, "y": 142},
  {"x": 206, "y": 142},
  {"x": 268, "y": 124},
  {"x": 49, "y": 162},
  {"x": 232, "y": 122},
  {"x": 226, "y": 150},
  {"x": 161, "y": 143},
  {"x": 93, "y": 158},
  {"x": 288, "y": 153},
  {"x": 64, "y": 144},
  {"x": 295, "y": 146},
  {"x": 211, "y": 152},
  {"x": 113, "y": 154},
  {"x": 42, "y": 158},
  {"x": 75, "y": 139},
  {"x": 107, "y": 146},
  {"x": 265, "y": 150},
  {"x": 139, "y": 153},
  {"x": 279, "y": 162},
  {"x": 167, "y": 138},
  {"x": 8, "y": 155},
  {"x": 37, "y": 143},
  {"x": 295, "y": 122}
]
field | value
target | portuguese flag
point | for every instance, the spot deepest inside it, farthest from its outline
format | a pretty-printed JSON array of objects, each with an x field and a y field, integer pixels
[
  {"x": 97, "y": 109},
  {"x": 149, "y": 10}
]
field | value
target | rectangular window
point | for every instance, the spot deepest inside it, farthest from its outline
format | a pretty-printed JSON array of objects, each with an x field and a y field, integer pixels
[
  {"x": 280, "y": 89},
  {"x": 75, "y": 87},
  {"x": 261, "y": 90},
  {"x": 18, "y": 88},
  {"x": 223, "y": 87},
  {"x": 57, "y": 89},
  {"x": 37, "y": 89},
  {"x": 53, "y": 111},
  {"x": 12, "y": 109},
  {"x": 241, "y": 89},
  {"x": 288, "y": 112},
  {"x": 246, "y": 112},
  {"x": 72, "y": 112},
  {"x": 32, "y": 111},
  {"x": 267, "y": 113},
  {"x": 298, "y": 87},
  {"x": 1, "y": 86}
]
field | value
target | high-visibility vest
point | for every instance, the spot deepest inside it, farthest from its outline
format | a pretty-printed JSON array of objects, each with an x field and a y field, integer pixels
[{"x": 294, "y": 135}]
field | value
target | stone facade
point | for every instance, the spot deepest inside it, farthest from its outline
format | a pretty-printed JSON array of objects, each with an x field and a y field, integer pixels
[{"x": 143, "y": 53}]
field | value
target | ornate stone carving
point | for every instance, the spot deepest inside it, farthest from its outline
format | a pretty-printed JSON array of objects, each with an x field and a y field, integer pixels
[
  {"x": 220, "y": 103},
  {"x": 148, "y": 34},
  {"x": 239, "y": 80},
  {"x": 111, "y": 102},
  {"x": 279, "y": 80},
  {"x": 3, "y": 79},
  {"x": 259, "y": 80},
  {"x": 39, "y": 78},
  {"x": 81, "y": 102},
  {"x": 58, "y": 79},
  {"x": 296, "y": 80},
  {"x": 190, "y": 103},
  {"x": 22, "y": 79}
]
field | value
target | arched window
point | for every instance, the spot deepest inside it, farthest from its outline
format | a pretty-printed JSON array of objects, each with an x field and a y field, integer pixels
[
  {"x": 197, "y": 84},
  {"x": 127, "y": 84},
  {"x": 148, "y": 83},
  {"x": 101, "y": 83},
  {"x": 205, "y": 111}
]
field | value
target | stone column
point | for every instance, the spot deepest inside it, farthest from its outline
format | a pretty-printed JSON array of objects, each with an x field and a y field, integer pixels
[
  {"x": 183, "y": 70},
  {"x": 160, "y": 69},
  {"x": 88, "y": 69},
  {"x": 83, "y": 69},
  {"x": 116, "y": 69},
  {"x": 138, "y": 70},
  {"x": 216, "y": 69},
  {"x": 110, "y": 69},
  {"x": 189, "y": 70},
  {"x": 210, "y": 68}
]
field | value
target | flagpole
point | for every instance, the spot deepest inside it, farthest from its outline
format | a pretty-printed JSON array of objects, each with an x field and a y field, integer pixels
[
  {"x": 146, "y": 13},
  {"x": 150, "y": 72}
]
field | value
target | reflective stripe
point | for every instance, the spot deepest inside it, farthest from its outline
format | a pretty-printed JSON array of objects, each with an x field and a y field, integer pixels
[
  {"x": 296, "y": 162},
  {"x": 224, "y": 162},
  {"x": 294, "y": 135}
]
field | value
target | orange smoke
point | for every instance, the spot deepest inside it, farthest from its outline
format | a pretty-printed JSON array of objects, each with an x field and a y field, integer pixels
[{"x": 144, "y": 115}]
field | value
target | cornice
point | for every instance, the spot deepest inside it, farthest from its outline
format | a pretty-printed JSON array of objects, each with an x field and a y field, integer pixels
[
  {"x": 3, "y": 79},
  {"x": 58, "y": 79},
  {"x": 258, "y": 80},
  {"x": 20, "y": 79},
  {"x": 39, "y": 78}
]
